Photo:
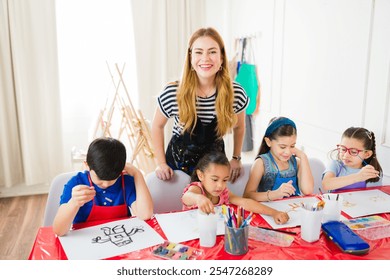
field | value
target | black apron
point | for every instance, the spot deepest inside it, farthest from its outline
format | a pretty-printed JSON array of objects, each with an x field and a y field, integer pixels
[{"x": 184, "y": 151}]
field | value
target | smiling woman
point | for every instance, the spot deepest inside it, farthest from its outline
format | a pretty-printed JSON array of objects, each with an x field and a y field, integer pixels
[{"x": 205, "y": 106}]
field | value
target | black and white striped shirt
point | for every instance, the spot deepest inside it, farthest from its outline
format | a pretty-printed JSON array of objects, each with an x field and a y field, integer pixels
[{"x": 205, "y": 107}]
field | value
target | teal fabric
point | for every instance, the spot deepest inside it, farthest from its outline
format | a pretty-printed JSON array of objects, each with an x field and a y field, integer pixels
[{"x": 247, "y": 78}]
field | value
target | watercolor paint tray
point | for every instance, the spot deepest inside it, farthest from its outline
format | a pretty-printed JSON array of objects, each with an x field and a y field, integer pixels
[
  {"x": 371, "y": 227},
  {"x": 270, "y": 236},
  {"x": 176, "y": 251}
]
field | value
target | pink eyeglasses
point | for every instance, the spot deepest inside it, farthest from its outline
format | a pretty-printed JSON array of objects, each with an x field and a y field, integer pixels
[{"x": 352, "y": 151}]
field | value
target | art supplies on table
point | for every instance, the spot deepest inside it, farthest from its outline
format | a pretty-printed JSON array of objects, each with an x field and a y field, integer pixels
[
  {"x": 207, "y": 224},
  {"x": 371, "y": 227},
  {"x": 236, "y": 218},
  {"x": 271, "y": 236},
  {"x": 311, "y": 219},
  {"x": 332, "y": 208},
  {"x": 363, "y": 203},
  {"x": 345, "y": 238},
  {"x": 236, "y": 230},
  {"x": 176, "y": 251},
  {"x": 236, "y": 240}
]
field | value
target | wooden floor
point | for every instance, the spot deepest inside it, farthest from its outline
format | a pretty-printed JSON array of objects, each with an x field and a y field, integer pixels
[{"x": 20, "y": 219}]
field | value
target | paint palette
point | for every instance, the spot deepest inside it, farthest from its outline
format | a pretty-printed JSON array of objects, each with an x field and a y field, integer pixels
[
  {"x": 176, "y": 251},
  {"x": 371, "y": 227}
]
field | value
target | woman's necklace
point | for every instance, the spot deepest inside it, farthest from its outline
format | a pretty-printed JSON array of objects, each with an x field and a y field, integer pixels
[{"x": 206, "y": 93}]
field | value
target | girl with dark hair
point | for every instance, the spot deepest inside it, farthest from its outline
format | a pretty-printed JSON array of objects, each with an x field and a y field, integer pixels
[
  {"x": 209, "y": 189},
  {"x": 354, "y": 162},
  {"x": 280, "y": 169}
]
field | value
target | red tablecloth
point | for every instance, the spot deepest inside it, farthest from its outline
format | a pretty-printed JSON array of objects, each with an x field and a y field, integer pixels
[{"x": 48, "y": 247}]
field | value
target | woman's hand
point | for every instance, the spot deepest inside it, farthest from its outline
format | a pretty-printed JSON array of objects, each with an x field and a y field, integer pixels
[
  {"x": 164, "y": 172},
  {"x": 82, "y": 194},
  {"x": 235, "y": 170}
]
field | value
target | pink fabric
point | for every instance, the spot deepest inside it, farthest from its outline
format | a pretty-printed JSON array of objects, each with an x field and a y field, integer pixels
[{"x": 223, "y": 197}]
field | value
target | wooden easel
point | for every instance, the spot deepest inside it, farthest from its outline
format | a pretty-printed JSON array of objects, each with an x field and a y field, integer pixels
[{"x": 132, "y": 127}]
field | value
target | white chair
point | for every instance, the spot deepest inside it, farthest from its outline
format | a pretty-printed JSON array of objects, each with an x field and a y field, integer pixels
[
  {"x": 317, "y": 168},
  {"x": 167, "y": 195},
  {"x": 53, "y": 198},
  {"x": 238, "y": 186}
]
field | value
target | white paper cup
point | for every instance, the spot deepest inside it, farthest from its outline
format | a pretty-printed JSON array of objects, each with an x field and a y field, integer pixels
[
  {"x": 311, "y": 224},
  {"x": 332, "y": 208},
  {"x": 207, "y": 229}
]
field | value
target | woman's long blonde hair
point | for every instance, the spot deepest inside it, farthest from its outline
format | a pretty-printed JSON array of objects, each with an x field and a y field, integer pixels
[{"x": 186, "y": 93}]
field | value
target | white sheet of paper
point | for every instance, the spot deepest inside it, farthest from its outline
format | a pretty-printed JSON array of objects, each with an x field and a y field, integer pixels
[
  {"x": 183, "y": 226},
  {"x": 288, "y": 205},
  {"x": 363, "y": 203},
  {"x": 111, "y": 239}
]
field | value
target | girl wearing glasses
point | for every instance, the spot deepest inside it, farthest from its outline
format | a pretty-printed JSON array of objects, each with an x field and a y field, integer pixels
[{"x": 354, "y": 162}]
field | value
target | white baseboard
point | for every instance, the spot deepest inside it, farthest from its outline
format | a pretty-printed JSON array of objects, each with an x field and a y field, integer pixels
[{"x": 22, "y": 190}]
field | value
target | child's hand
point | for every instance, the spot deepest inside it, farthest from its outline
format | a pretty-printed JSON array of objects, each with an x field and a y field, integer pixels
[
  {"x": 205, "y": 204},
  {"x": 298, "y": 153},
  {"x": 130, "y": 169},
  {"x": 285, "y": 189},
  {"x": 82, "y": 194},
  {"x": 368, "y": 172},
  {"x": 280, "y": 217}
]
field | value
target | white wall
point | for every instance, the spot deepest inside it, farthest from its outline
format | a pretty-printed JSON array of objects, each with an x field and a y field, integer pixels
[
  {"x": 88, "y": 39},
  {"x": 323, "y": 63}
]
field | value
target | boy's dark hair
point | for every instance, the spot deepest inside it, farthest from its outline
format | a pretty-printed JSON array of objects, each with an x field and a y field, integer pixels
[
  {"x": 284, "y": 127},
  {"x": 209, "y": 158},
  {"x": 107, "y": 157}
]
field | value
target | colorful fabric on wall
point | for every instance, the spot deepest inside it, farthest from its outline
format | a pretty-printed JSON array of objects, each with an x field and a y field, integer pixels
[{"x": 247, "y": 78}]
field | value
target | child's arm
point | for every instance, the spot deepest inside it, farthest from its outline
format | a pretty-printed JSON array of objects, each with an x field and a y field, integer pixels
[
  {"x": 66, "y": 213},
  {"x": 305, "y": 177},
  {"x": 256, "y": 207},
  {"x": 331, "y": 182},
  {"x": 193, "y": 196},
  {"x": 257, "y": 171},
  {"x": 143, "y": 206}
]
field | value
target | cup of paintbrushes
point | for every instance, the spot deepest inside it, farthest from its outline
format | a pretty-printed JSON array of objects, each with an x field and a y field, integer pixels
[
  {"x": 236, "y": 240},
  {"x": 332, "y": 208},
  {"x": 311, "y": 221}
]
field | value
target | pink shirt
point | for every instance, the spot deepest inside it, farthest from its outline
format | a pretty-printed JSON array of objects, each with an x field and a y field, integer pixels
[{"x": 223, "y": 197}]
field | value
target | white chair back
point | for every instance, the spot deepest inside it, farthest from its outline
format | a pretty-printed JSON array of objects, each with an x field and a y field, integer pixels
[
  {"x": 167, "y": 195},
  {"x": 238, "y": 186},
  {"x": 53, "y": 198},
  {"x": 317, "y": 168}
]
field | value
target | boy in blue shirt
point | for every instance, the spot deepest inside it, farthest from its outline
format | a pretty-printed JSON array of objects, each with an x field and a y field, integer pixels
[{"x": 109, "y": 189}]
